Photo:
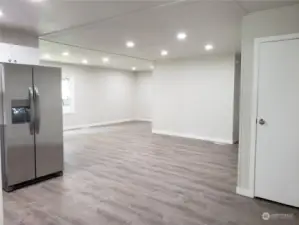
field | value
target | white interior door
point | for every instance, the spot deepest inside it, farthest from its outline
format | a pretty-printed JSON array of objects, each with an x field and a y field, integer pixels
[{"x": 277, "y": 143}]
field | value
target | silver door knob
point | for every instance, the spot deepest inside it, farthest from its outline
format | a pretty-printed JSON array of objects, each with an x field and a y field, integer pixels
[{"x": 262, "y": 121}]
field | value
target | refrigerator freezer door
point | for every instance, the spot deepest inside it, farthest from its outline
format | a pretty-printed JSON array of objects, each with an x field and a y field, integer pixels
[
  {"x": 18, "y": 145},
  {"x": 48, "y": 126}
]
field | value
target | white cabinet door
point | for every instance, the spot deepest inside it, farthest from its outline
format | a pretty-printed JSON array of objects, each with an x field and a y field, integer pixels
[
  {"x": 5, "y": 55},
  {"x": 24, "y": 55},
  {"x": 277, "y": 143}
]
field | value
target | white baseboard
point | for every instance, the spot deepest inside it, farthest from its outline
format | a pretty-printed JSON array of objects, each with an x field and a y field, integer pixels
[
  {"x": 215, "y": 140},
  {"x": 245, "y": 192},
  {"x": 96, "y": 124}
]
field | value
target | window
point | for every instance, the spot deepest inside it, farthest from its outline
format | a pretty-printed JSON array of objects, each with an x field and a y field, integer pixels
[{"x": 67, "y": 95}]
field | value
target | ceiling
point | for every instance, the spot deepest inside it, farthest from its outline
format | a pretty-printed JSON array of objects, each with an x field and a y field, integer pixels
[
  {"x": 98, "y": 28},
  {"x": 94, "y": 58}
]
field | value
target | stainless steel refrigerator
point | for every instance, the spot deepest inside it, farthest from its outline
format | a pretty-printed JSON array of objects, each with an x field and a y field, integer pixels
[{"x": 31, "y": 124}]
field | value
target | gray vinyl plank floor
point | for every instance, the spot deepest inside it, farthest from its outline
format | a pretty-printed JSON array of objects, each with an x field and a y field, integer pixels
[{"x": 125, "y": 175}]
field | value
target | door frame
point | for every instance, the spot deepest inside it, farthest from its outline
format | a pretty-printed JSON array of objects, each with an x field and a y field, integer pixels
[{"x": 254, "y": 112}]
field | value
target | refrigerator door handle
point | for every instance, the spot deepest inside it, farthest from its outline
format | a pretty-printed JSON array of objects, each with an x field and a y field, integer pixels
[
  {"x": 32, "y": 111},
  {"x": 37, "y": 110}
]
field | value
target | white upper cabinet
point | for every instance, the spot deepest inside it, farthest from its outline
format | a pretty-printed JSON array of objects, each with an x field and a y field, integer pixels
[
  {"x": 24, "y": 55},
  {"x": 4, "y": 52},
  {"x": 18, "y": 54}
]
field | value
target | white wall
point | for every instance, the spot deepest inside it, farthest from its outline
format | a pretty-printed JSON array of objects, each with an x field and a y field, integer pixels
[
  {"x": 101, "y": 95},
  {"x": 273, "y": 22},
  {"x": 195, "y": 98},
  {"x": 143, "y": 104}
]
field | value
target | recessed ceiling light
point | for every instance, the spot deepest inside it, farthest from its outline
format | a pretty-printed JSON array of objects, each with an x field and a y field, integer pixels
[
  {"x": 46, "y": 56},
  {"x": 65, "y": 53},
  {"x": 164, "y": 53},
  {"x": 181, "y": 36},
  {"x": 130, "y": 44},
  {"x": 209, "y": 47},
  {"x": 84, "y": 61},
  {"x": 133, "y": 68},
  {"x": 152, "y": 67},
  {"x": 105, "y": 60},
  {"x": 1, "y": 13}
]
